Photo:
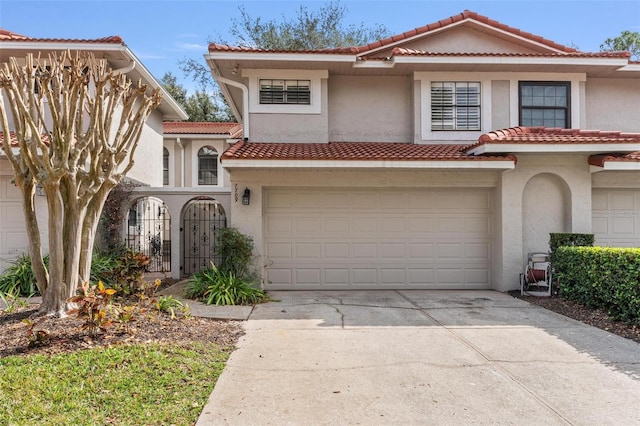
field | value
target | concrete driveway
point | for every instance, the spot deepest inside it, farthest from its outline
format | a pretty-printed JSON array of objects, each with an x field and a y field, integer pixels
[{"x": 423, "y": 357}]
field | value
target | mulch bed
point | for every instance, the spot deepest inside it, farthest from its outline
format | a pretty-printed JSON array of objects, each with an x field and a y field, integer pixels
[{"x": 593, "y": 317}]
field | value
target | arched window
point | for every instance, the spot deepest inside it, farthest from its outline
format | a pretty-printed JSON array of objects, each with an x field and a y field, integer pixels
[
  {"x": 207, "y": 166},
  {"x": 165, "y": 166}
]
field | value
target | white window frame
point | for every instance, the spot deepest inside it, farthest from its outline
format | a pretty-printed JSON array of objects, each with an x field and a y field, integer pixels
[
  {"x": 219, "y": 146},
  {"x": 426, "y": 78},
  {"x": 454, "y": 106},
  {"x": 315, "y": 78}
]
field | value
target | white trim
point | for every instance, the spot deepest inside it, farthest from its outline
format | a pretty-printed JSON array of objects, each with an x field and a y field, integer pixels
[
  {"x": 426, "y": 78},
  {"x": 576, "y": 100},
  {"x": 375, "y": 164},
  {"x": 287, "y": 57},
  {"x": 620, "y": 165},
  {"x": 314, "y": 76},
  {"x": 492, "y": 148},
  {"x": 502, "y": 60}
]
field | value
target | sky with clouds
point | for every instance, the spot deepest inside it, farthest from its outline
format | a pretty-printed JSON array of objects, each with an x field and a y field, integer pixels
[{"x": 161, "y": 33}]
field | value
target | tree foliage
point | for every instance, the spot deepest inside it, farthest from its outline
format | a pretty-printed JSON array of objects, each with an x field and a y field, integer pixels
[
  {"x": 627, "y": 41},
  {"x": 308, "y": 29},
  {"x": 77, "y": 124},
  {"x": 205, "y": 104}
]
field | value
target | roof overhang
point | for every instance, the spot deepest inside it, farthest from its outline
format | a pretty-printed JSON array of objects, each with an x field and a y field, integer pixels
[
  {"x": 113, "y": 53},
  {"x": 368, "y": 164},
  {"x": 551, "y": 148},
  {"x": 275, "y": 56}
]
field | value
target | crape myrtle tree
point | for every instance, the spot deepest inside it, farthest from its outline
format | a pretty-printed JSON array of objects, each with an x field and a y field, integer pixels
[{"x": 76, "y": 126}]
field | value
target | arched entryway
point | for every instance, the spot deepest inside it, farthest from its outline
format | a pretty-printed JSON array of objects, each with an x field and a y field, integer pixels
[
  {"x": 546, "y": 208},
  {"x": 202, "y": 218},
  {"x": 149, "y": 232}
]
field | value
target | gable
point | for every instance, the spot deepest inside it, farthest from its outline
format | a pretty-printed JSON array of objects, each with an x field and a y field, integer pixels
[{"x": 465, "y": 39}]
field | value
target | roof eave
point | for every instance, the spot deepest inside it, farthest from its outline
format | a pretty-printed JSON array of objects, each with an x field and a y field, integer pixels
[
  {"x": 369, "y": 164},
  {"x": 275, "y": 56},
  {"x": 549, "y": 148}
]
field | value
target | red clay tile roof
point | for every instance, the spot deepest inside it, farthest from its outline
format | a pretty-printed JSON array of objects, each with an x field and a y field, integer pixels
[
  {"x": 6, "y": 35},
  {"x": 355, "y": 151},
  {"x": 467, "y": 14},
  {"x": 14, "y": 139},
  {"x": 400, "y": 51},
  {"x": 9, "y": 35},
  {"x": 600, "y": 159},
  {"x": 554, "y": 135},
  {"x": 233, "y": 130}
]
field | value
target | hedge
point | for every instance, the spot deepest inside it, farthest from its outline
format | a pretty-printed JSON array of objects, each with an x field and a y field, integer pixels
[{"x": 601, "y": 277}]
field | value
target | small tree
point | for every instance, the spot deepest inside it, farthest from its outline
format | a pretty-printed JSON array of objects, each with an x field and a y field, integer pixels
[
  {"x": 627, "y": 41},
  {"x": 76, "y": 125}
]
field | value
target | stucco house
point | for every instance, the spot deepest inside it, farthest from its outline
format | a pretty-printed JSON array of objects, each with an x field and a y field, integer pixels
[
  {"x": 433, "y": 159},
  {"x": 148, "y": 156},
  {"x": 176, "y": 223}
]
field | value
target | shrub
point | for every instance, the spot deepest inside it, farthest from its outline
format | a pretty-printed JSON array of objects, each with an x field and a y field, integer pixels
[
  {"x": 19, "y": 278},
  {"x": 563, "y": 239},
  {"x": 236, "y": 252},
  {"x": 601, "y": 277}
]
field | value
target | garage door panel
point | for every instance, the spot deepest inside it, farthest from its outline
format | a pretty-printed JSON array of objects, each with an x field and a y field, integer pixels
[
  {"x": 616, "y": 217},
  {"x": 371, "y": 238}
]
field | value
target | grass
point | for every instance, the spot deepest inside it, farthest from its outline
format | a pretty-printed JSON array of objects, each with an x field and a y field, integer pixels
[{"x": 132, "y": 385}]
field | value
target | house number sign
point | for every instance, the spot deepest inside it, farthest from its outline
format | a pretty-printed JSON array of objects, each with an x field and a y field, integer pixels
[{"x": 235, "y": 190}]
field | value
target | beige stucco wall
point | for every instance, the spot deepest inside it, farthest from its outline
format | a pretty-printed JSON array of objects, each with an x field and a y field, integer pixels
[
  {"x": 370, "y": 109},
  {"x": 613, "y": 104},
  {"x": 566, "y": 174},
  {"x": 500, "y": 118},
  {"x": 187, "y": 157},
  {"x": 299, "y": 128},
  {"x": 616, "y": 179},
  {"x": 148, "y": 155}
]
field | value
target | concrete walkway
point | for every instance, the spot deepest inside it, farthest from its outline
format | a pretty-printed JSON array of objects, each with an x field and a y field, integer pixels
[{"x": 423, "y": 357}]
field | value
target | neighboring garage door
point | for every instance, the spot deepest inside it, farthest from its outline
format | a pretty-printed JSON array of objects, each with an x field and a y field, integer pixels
[
  {"x": 616, "y": 217},
  {"x": 13, "y": 236},
  {"x": 375, "y": 238}
]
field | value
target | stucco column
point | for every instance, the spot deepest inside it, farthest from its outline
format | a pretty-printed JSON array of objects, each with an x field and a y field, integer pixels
[
  {"x": 248, "y": 218},
  {"x": 509, "y": 247}
]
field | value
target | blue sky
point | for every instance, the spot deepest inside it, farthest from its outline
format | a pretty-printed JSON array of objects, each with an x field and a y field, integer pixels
[{"x": 163, "y": 32}]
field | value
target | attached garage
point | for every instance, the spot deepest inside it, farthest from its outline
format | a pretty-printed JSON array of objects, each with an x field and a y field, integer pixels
[
  {"x": 13, "y": 236},
  {"x": 616, "y": 217},
  {"x": 371, "y": 238}
]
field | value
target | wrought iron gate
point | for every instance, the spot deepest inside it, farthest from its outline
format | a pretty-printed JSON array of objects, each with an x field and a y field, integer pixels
[
  {"x": 202, "y": 219},
  {"x": 149, "y": 232}
]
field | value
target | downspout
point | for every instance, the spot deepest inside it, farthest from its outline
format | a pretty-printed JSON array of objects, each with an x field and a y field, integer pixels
[
  {"x": 245, "y": 99},
  {"x": 126, "y": 69},
  {"x": 179, "y": 143}
]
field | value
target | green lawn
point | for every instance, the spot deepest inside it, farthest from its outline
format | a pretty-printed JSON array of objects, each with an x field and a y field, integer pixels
[{"x": 122, "y": 385}]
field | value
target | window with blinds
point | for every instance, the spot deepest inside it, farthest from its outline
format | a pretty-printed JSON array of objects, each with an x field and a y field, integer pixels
[
  {"x": 291, "y": 92},
  {"x": 455, "y": 105}
]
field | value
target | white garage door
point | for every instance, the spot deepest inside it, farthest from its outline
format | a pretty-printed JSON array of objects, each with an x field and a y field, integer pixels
[
  {"x": 376, "y": 239},
  {"x": 13, "y": 237},
  {"x": 616, "y": 217}
]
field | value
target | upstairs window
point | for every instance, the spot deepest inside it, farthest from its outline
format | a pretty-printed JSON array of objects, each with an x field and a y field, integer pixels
[
  {"x": 207, "y": 166},
  {"x": 545, "y": 103},
  {"x": 165, "y": 166},
  {"x": 455, "y": 105},
  {"x": 289, "y": 92}
]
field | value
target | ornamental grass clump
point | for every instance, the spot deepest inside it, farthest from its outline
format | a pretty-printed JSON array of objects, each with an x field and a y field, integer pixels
[{"x": 225, "y": 288}]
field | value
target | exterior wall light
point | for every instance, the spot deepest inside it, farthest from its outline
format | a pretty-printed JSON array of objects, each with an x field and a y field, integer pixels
[{"x": 246, "y": 197}]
